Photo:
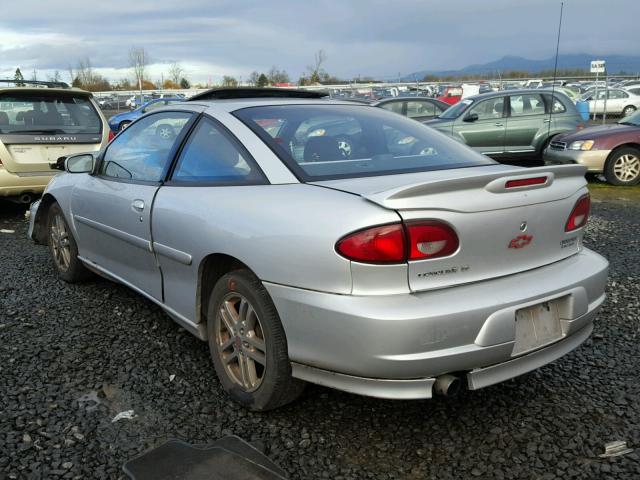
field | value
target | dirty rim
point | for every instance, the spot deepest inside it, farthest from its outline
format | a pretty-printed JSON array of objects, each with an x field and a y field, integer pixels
[
  {"x": 59, "y": 237},
  {"x": 165, "y": 132},
  {"x": 627, "y": 167},
  {"x": 240, "y": 342}
]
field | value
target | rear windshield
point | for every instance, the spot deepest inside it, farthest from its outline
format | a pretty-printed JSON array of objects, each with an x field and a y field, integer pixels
[
  {"x": 48, "y": 114},
  {"x": 455, "y": 110},
  {"x": 322, "y": 142}
]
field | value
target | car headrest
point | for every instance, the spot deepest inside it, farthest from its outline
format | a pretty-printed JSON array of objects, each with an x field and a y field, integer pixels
[{"x": 322, "y": 149}]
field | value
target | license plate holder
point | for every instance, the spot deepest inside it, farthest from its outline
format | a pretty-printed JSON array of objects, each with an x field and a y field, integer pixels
[{"x": 536, "y": 326}]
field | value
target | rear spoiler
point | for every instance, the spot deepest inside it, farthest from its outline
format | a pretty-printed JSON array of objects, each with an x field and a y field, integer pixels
[{"x": 497, "y": 182}]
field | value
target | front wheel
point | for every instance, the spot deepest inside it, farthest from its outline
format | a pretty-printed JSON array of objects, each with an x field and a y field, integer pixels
[
  {"x": 248, "y": 344},
  {"x": 623, "y": 167},
  {"x": 63, "y": 247}
]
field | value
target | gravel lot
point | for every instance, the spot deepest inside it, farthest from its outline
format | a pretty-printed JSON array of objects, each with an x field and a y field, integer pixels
[{"x": 72, "y": 357}]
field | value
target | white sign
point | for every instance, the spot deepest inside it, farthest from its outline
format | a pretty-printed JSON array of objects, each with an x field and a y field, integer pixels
[{"x": 597, "y": 66}]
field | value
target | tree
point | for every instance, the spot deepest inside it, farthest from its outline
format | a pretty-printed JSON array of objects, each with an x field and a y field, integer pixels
[
  {"x": 175, "y": 72},
  {"x": 315, "y": 70},
  {"x": 34, "y": 75},
  {"x": 170, "y": 84},
  {"x": 228, "y": 81},
  {"x": 276, "y": 76},
  {"x": 55, "y": 77},
  {"x": 18, "y": 78},
  {"x": 184, "y": 83},
  {"x": 138, "y": 60},
  {"x": 263, "y": 81},
  {"x": 253, "y": 78}
]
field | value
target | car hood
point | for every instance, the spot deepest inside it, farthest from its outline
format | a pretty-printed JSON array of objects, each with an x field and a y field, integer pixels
[
  {"x": 593, "y": 133},
  {"x": 438, "y": 122}
]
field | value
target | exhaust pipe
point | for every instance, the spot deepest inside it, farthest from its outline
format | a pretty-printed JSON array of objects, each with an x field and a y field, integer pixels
[{"x": 447, "y": 385}]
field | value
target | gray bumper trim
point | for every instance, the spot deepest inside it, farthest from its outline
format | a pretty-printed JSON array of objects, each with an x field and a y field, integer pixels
[
  {"x": 372, "y": 387},
  {"x": 483, "y": 377}
]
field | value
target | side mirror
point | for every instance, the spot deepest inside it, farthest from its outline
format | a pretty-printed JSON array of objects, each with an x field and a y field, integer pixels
[
  {"x": 472, "y": 117},
  {"x": 82, "y": 163}
]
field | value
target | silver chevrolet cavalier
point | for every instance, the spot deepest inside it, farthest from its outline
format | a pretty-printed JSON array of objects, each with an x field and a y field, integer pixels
[{"x": 310, "y": 240}]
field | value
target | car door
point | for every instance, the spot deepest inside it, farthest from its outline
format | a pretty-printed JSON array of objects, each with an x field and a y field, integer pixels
[
  {"x": 483, "y": 125},
  {"x": 616, "y": 100},
  {"x": 192, "y": 215},
  {"x": 526, "y": 117},
  {"x": 112, "y": 208}
]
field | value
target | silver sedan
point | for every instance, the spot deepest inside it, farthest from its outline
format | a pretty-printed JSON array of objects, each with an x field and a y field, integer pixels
[{"x": 331, "y": 242}]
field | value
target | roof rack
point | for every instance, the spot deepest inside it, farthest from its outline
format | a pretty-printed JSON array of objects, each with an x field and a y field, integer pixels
[
  {"x": 22, "y": 83},
  {"x": 251, "y": 92}
]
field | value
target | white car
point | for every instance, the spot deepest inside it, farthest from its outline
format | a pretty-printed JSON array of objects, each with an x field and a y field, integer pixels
[{"x": 618, "y": 101}]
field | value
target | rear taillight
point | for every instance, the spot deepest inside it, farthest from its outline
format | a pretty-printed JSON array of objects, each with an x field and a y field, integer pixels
[
  {"x": 111, "y": 135},
  {"x": 385, "y": 244},
  {"x": 398, "y": 243},
  {"x": 431, "y": 239},
  {"x": 579, "y": 214}
]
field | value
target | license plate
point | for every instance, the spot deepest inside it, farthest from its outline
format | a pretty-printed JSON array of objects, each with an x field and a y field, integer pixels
[{"x": 537, "y": 326}]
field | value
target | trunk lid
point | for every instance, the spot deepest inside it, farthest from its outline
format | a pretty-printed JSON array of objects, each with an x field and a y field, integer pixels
[{"x": 501, "y": 230}]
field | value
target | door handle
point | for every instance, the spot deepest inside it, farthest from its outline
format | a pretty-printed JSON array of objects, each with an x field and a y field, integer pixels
[
  {"x": 499, "y": 124},
  {"x": 137, "y": 205},
  {"x": 546, "y": 121}
]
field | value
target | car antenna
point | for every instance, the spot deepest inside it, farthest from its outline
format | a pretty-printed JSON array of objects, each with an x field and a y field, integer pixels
[{"x": 555, "y": 71}]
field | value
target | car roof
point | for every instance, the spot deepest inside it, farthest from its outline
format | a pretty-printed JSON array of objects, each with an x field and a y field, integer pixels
[
  {"x": 46, "y": 91},
  {"x": 501, "y": 93},
  {"x": 240, "y": 103}
]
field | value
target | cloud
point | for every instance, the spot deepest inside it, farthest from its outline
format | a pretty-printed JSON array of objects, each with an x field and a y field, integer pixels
[{"x": 361, "y": 37}]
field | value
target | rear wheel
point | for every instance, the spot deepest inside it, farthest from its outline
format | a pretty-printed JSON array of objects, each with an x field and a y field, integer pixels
[
  {"x": 623, "y": 167},
  {"x": 123, "y": 125},
  {"x": 63, "y": 247},
  {"x": 628, "y": 110},
  {"x": 248, "y": 344}
]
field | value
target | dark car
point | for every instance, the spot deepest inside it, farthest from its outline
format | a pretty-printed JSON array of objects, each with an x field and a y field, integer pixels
[
  {"x": 517, "y": 123},
  {"x": 612, "y": 149},
  {"x": 417, "y": 108}
]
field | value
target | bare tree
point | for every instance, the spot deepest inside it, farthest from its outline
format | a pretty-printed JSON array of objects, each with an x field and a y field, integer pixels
[
  {"x": 253, "y": 78},
  {"x": 84, "y": 72},
  {"x": 175, "y": 72},
  {"x": 276, "y": 76},
  {"x": 228, "y": 81},
  {"x": 34, "y": 74},
  {"x": 72, "y": 74},
  {"x": 315, "y": 70},
  {"x": 138, "y": 60}
]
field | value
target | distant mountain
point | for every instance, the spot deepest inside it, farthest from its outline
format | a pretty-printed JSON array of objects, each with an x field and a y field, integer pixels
[{"x": 615, "y": 65}]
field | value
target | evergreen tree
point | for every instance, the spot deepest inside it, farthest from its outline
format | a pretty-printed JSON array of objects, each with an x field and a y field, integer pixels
[{"x": 263, "y": 81}]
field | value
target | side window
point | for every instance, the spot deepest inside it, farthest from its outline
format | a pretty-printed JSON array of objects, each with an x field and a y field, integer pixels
[
  {"x": 142, "y": 151},
  {"x": 395, "y": 107},
  {"x": 524, "y": 105},
  {"x": 212, "y": 156},
  {"x": 420, "y": 109},
  {"x": 617, "y": 94},
  {"x": 557, "y": 105},
  {"x": 488, "y": 109}
]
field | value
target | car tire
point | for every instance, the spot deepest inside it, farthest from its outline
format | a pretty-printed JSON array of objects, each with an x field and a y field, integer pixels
[
  {"x": 248, "y": 345},
  {"x": 63, "y": 247},
  {"x": 628, "y": 110},
  {"x": 623, "y": 166},
  {"x": 123, "y": 125}
]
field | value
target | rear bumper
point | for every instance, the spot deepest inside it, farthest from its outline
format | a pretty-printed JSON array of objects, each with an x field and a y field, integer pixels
[
  {"x": 594, "y": 160},
  {"x": 394, "y": 346},
  {"x": 13, "y": 185}
]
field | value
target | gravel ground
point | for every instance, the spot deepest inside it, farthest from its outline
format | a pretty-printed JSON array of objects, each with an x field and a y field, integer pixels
[{"x": 72, "y": 357}]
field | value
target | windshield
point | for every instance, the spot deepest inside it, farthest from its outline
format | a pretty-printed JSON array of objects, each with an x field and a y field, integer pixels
[
  {"x": 633, "y": 119},
  {"x": 322, "y": 142},
  {"x": 454, "y": 111},
  {"x": 48, "y": 113}
]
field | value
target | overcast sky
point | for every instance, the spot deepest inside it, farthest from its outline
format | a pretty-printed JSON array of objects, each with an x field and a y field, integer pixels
[{"x": 360, "y": 37}]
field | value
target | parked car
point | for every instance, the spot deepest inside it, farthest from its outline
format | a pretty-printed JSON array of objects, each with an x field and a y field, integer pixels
[
  {"x": 612, "y": 149},
  {"x": 509, "y": 123},
  {"x": 618, "y": 101},
  {"x": 38, "y": 125},
  {"x": 122, "y": 120},
  {"x": 451, "y": 95},
  {"x": 417, "y": 108},
  {"x": 413, "y": 268}
]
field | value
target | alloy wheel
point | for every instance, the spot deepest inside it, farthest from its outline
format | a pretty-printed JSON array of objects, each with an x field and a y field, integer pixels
[
  {"x": 165, "y": 132},
  {"x": 59, "y": 238},
  {"x": 240, "y": 342},
  {"x": 627, "y": 167}
]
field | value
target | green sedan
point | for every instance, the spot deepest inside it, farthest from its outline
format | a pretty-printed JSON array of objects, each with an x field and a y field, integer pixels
[{"x": 509, "y": 123}]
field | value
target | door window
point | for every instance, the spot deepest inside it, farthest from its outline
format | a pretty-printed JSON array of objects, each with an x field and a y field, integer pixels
[
  {"x": 617, "y": 94},
  {"x": 143, "y": 151},
  {"x": 211, "y": 155},
  {"x": 525, "y": 105},
  {"x": 395, "y": 107},
  {"x": 420, "y": 109},
  {"x": 488, "y": 109}
]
